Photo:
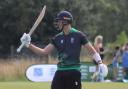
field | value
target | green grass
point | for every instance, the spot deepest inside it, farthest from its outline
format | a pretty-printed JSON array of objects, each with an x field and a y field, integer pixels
[{"x": 86, "y": 85}]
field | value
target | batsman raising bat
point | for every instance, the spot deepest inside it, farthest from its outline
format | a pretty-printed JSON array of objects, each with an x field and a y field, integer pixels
[
  {"x": 40, "y": 17},
  {"x": 68, "y": 44}
]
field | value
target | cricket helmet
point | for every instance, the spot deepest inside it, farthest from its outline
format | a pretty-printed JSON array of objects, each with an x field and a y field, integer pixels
[{"x": 65, "y": 16}]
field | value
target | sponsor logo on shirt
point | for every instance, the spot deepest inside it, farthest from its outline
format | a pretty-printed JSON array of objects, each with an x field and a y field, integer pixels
[
  {"x": 62, "y": 41},
  {"x": 72, "y": 40}
]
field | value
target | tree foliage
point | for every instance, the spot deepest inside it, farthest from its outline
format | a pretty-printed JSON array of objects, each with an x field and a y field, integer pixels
[
  {"x": 105, "y": 17},
  {"x": 122, "y": 38}
]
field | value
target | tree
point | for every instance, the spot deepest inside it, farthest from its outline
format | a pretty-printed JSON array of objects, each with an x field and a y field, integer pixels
[
  {"x": 94, "y": 17},
  {"x": 122, "y": 38}
]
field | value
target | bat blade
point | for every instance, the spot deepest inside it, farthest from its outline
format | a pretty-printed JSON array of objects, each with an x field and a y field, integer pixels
[{"x": 40, "y": 17}]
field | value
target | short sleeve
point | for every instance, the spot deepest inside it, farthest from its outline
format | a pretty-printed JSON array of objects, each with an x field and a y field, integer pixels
[
  {"x": 52, "y": 41},
  {"x": 84, "y": 39}
]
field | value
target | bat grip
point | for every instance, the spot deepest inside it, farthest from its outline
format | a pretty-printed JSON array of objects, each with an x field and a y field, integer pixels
[{"x": 20, "y": 47}]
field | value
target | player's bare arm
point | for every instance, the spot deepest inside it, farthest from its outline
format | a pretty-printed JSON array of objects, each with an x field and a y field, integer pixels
[
  {"x": 93, "y": 52},
  {"x": 42, "y": 51}
]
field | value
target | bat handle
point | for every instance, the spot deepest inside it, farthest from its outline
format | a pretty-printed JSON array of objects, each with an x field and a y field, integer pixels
[{"x": 20, "y": 47}]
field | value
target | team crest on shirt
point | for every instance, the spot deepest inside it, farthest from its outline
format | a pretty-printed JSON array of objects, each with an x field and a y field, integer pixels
[{"x": 72, "y": 40}]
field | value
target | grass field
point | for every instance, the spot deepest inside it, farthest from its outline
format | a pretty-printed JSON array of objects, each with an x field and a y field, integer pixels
[{"x": 86, "y": 85}]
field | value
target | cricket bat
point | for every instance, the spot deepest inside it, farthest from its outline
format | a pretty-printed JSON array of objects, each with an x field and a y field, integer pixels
[{"x": 39, "y": 19}]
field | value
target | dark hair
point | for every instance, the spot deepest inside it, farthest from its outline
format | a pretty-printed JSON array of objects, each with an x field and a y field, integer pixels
[{"x": 117, "y": 47}]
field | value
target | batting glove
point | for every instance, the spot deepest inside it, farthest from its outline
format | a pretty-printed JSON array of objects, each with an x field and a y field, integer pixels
[
  {"x": 103, "y": 69},
  {"x": 25, "y": 39}
]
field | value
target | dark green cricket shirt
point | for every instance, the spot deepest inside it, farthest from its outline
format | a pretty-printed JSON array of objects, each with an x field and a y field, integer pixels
[{"x": 69, "y": 47}]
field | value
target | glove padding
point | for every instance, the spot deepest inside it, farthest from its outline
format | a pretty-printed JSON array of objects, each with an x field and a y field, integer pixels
[
  {"x": 102, "y": 68},
  {"x": 25, "y": 39}
]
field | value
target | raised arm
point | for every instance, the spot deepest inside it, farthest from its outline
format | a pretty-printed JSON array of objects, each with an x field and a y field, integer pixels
[
  {"x": 26, "y": 40},
  {"x": 41, "y": 51}
]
